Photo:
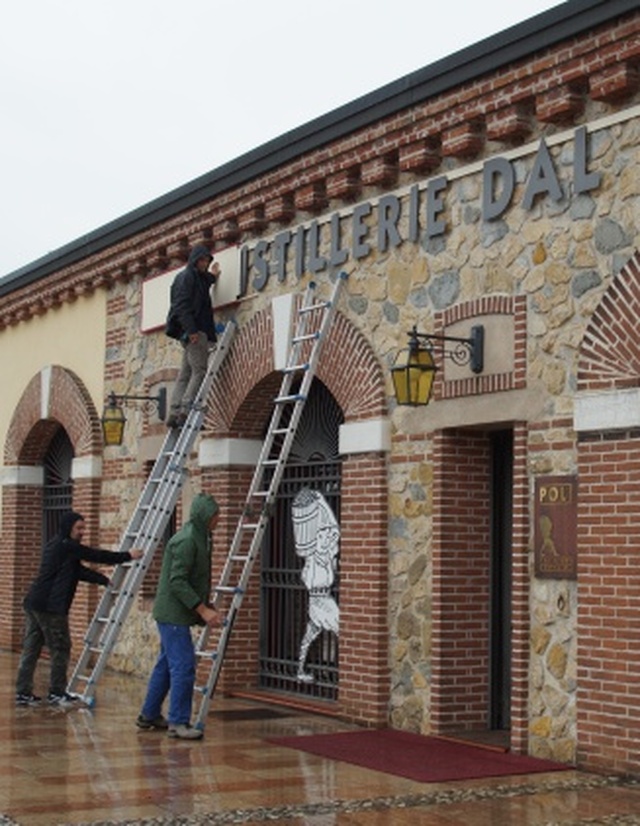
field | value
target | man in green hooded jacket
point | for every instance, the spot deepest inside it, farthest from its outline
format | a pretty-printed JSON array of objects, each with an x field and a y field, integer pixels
[{"x": 181, "y": 601}]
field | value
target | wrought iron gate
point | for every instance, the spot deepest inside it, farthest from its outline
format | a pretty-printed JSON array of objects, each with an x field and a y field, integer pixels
[
  {"x": 285, "y": 599},
  {"x": 57, "y": 493}
]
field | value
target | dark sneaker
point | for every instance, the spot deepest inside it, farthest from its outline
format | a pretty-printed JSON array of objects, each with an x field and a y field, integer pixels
[
  {"x": 64, "y": 699},
  {"x": 184, "y": 731},
  {"x": 27, "y": 699},
  {"x": 146, "y": 723}
]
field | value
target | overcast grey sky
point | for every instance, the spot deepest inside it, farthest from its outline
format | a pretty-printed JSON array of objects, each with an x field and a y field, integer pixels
[{"x": 107, "y": 104}]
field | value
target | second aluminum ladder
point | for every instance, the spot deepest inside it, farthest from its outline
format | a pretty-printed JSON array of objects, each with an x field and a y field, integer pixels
[{"x": 312, "y": 326}]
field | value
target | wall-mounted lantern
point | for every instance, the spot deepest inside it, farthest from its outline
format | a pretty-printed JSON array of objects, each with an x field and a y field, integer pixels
[
  {"x": 113, "y": 418},
  {"x": 415, "y": 368}
]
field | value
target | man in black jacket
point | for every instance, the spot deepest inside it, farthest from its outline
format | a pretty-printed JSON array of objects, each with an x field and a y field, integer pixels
[
  {"x": 190, "y": 320},
  {"x": 48, "y": 602}
]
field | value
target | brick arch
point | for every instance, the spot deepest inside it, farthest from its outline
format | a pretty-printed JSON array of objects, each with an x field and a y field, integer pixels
[
  {"x": 55, "y": 396},
  {"x": 609, "y": 356},
  {"x": 359, "y": 389}
]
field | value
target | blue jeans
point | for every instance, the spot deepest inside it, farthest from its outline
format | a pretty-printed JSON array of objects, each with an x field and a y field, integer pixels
[{"x": 174, "y": 673}]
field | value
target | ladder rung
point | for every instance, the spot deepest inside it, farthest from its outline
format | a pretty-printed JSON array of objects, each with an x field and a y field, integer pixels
[
  {"x": 296, "y": 368},
  {"x": 306, "y": 337},
  {"x": 229, "y": 589},
  {"x": 296, "y": 397},
  {"x": 321, "y": 305}
]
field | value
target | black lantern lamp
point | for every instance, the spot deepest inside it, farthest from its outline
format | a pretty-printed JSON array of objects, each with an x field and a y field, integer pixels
[
  {"x": 415, "y": 368},
  {"x": 113, "y": 418}
]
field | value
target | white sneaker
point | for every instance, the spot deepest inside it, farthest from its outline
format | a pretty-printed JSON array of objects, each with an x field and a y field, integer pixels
[
  {"x": 64, "y": 699},
  {"x": 183, "y": 731}
]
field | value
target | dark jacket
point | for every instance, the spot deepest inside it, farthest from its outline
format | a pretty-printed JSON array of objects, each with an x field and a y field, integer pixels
[
  {"x": 190, "y": 310},
  {"x": 61, "y": 569},
  {"x": 185, "y": 578}
]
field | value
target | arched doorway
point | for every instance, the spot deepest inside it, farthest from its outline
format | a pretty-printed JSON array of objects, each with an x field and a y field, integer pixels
[{"x": 298, "y": 652}]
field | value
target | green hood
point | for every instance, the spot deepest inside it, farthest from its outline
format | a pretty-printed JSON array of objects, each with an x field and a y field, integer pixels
[
  {"x": 185, "y": 578},
  {"x": 203, "y": 507}
]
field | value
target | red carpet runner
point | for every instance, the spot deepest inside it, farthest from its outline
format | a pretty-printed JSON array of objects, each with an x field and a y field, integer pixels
[{"x": 416, "y": 757}]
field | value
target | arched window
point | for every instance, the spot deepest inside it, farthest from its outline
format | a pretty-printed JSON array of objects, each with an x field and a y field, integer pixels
[
  {"x": 288, "y": 645},
  {"x": 57, "y": 494}
]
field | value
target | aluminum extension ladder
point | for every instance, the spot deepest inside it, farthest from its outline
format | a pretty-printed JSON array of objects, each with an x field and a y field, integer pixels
[
  {"x": 145, "y": 531},
  {"x": 313, "y": 321}
]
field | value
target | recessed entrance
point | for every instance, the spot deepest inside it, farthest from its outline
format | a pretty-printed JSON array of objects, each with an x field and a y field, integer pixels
[{"x": 472, "y": 583}]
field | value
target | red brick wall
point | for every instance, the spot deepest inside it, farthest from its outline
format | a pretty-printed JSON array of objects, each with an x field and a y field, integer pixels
[
  {"x": 609, "y": 600},
  {"x": 364, "y": 625},
  {"x": 229, "y": 486},
  {"x": 520, "y": 590},
  {"x": 20, "y": 548},
  {"x": 461, "y": 567}
]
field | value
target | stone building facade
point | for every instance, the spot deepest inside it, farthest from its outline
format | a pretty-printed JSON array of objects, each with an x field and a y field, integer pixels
[{"x": 498, "y": 187}]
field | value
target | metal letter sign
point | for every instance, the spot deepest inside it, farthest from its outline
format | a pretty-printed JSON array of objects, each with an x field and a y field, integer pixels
[{"x": 555, "y": 527}]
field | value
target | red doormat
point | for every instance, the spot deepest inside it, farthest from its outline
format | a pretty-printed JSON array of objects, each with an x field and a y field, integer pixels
[{"x": 416, "y": 757}]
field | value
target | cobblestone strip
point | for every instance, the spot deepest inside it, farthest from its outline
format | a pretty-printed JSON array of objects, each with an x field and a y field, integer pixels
[{"x": 443, "y": 797}]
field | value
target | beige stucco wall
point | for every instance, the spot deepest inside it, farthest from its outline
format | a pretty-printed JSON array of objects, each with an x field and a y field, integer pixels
[{"x": 71, "y": 336}]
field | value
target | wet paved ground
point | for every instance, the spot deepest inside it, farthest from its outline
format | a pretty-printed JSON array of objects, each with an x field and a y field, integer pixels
[{"x": 94, "y": 766}]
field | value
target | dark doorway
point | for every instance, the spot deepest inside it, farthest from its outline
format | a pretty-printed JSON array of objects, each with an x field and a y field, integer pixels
[{"x": 501, "y": 548}]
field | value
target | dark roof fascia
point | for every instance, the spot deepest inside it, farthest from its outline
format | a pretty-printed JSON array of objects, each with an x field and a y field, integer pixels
[{"x": 564, "y": 21}]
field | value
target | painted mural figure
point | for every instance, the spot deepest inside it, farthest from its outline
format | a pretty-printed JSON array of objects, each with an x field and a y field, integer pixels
[
  {"x": 317, "y": 540},
  {"x": 547, "y": 546}
]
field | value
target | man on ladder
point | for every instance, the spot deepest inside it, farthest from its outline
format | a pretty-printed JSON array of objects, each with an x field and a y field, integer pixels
[{"x": 190, "y": 321}]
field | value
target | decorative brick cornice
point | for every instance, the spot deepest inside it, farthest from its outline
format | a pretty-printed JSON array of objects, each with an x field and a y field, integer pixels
[
  {"x": 344, "y": 185},
  {"x": 463, "y": 141},
  {"x": 311, "y": 197},
  {"x": 178, "y": 251},
  {"x": 253, "y": 220},
  {"x": 419, "y": 156},
  {"x": 226, "y": 232},
  {"x": 381, "y": 171},
  {"x": 511, "y": 124},
  {"x": 615, "y": 82},
  {"x": 280, "y": 210},
  {"x": 560, "y": 105}
]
